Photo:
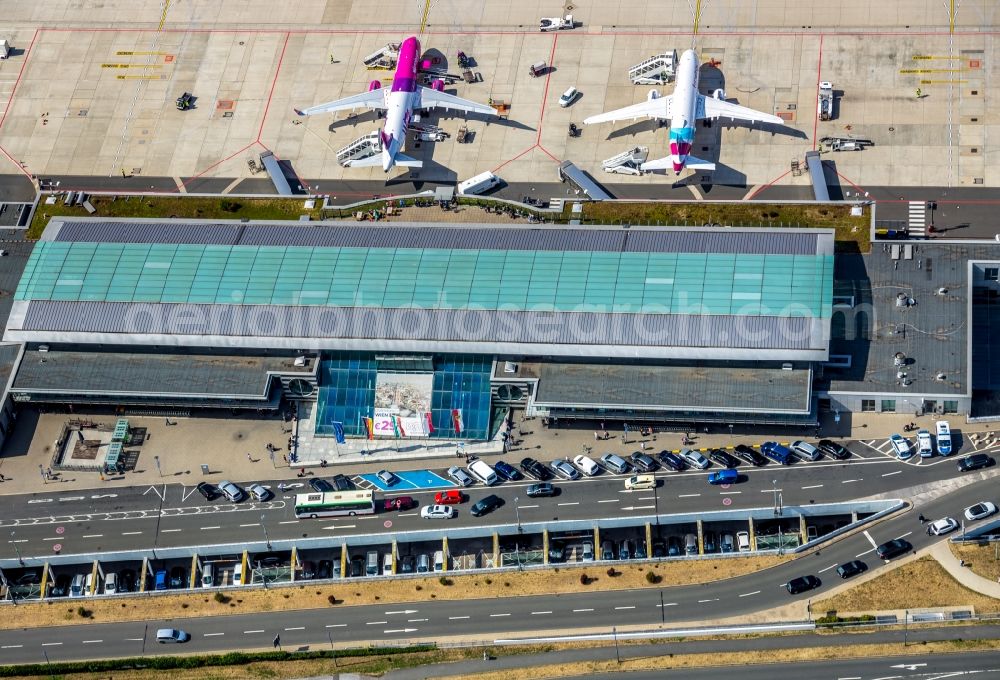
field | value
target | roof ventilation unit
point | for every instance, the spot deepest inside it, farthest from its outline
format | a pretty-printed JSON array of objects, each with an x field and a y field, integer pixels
[
  {"x": 940, "y": 377},
  {"x": 509, "y": 367},
  {"x": 899, "y": 359}
]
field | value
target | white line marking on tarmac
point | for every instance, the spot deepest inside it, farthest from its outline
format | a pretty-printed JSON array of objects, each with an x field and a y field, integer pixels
[
  {"x": 540, "y": 613},
  {"x": 771, "y": 490},
  {"x": 667, "y": 604},
  {"x": 376, "y": 623},
  {"x": 610, "y": 500},
  {"x": 632, "y": 607},
  {"x": 905, "y": 535},
  {"x": 853, "y": 677},
  {"x": 210, "y": 528},
  {"x": 212, "y": 634},
  {"x": 582, "y": 610},
  {"x": 729, "y": 493},
  {"x": 689, "y": 495},
  {"x": 849, "y": 481},
  {"x": 890, "y": 474},
  {"x": 253, "y": 524},
  {"x": 573, "y": 503},
  {"x": 870, "y": 539},
  {"x": 162, "y": 531},
  {"x": 526, "y": 507},
  {"x": 11, "y": 646},
  {"x": 336, "y": 625},
  {"x": 832, "y": 566},
  {"x": 289, "y": 521},
  {"x": 54, "y": 538},
  {"x": 714, "y": 599},
  {"x": 134, "y": 639},
  {"x": 408, "y": 514},
  {"x": 296, "y": 628},
  {"x": 865, "y": 553},
  {"x": 457, "y": 618},
  {"x": 493, "y": 616},
  {"x": 814, "y": 486},
  {"x": 749, "y": 594},
  {"x": 415, "y": 620},
  {"x": 51, "y": 644},
  {"x": 92, "y": 536}
]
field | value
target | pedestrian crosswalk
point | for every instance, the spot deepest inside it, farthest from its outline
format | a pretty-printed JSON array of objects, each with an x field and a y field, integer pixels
[{"x": 917, "y": 218}]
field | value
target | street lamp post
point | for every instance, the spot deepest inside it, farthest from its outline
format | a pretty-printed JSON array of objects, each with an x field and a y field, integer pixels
[
  {"x": 614, "y": 632},
  {"x": 517, "y": 512},
  {"x": 156, "y": 461},
  {"x": 774, "y": 488},
  {"x": 266, "y": 539},
  {"x": 16, "y": 549}
]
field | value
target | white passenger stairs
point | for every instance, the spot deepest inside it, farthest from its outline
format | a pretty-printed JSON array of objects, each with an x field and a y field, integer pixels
[
  {"x": 627, "y": 162},
  {"x": 384, "y": 58},
  {"x": 917, "y": 217},
  {"x": 657, "y": 70},
  {"x": 362, "y": 147}
]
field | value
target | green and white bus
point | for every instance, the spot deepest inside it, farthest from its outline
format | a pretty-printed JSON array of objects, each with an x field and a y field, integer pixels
[{"x": 334, "y": 504}]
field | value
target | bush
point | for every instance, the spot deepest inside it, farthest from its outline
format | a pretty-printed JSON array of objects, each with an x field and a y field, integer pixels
[
  {"x": 585, "y": 580},
  {"x": 612, "y": 573},
  {"x": 652, "y": 577},
  {"x": 445, "y": 581},
  {"x": 222, "y": 598},
  {"x": 230, "y": 206},
  {"x": 332, "y": 599},
  {"x": 489, "y": 581},
  {"x": 83, "y": 612}
]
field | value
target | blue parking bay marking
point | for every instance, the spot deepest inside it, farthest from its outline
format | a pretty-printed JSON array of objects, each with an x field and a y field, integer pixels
[{"x": 409, "y": 480}]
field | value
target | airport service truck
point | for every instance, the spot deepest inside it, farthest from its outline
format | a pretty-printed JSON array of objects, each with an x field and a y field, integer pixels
[
  {"x": 556, "y": 23},
  {"x": 4, "y": 49},
  {"x": 825, "y": 100}
]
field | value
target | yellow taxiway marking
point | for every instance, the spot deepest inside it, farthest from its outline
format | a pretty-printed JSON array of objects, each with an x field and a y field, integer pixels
[
  {"x": 423, "y": 19},
  {"x": 163, "y": 16}
]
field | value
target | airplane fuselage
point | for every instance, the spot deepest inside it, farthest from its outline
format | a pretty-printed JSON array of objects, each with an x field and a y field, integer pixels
[
  {"x": 400, "y": 102},
  {"x": 685, "y": 103}
]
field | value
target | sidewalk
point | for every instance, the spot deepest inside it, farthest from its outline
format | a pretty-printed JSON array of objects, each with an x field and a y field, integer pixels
[{"x": 942, "y": 553}]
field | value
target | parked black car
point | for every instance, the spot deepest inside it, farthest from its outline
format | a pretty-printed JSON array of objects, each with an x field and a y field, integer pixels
[
  {"x": 321, "y": 485},
  {"x": 974, "y": 462},
  {"x": 507, "y": 471},
  {"x": 640, "y": 461},
  {"x": 209, "y": 491},
  {"x": 672, "y": 461},
  {"x": 749, "y": 455},
  {"x": 722, "y": 458},
  {"x": 536, "y": 470},
  {"x": 834, "y": 450},
  {"x": 342, "y": 483},
  {"x": 486, "y": 505},
  {"x": 893, "y": 548},
  {"x": 803, "y": 583}
]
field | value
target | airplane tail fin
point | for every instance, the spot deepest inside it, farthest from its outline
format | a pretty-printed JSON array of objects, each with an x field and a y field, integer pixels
[{"x": 408, "y": 162}]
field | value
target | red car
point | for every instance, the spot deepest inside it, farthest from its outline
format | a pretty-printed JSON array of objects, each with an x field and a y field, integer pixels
[
  {"x": 399, "y": 503},
  {"x": 449, "y": 497}
]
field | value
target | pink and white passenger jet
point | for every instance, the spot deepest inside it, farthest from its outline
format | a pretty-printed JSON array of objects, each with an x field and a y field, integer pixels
[
  {"x": 399, "y": 102},
  {"x": 683, "y": 108}
]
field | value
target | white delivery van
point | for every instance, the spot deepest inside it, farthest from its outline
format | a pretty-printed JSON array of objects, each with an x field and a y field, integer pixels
[
  {"x": 481, "y": 470},
  {"x": 943, "y": 437},
  {"x": 478, "y": 184},
  {"x": 438, "y": 560}
]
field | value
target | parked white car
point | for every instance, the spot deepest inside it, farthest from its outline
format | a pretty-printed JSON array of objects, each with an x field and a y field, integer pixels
[
  {"x": 942, "y": 526},
  {"x": 925, "y": 445},
  {"x": 901, "y": 447},
  {"x": 980, "y": 511},
  {"x": 587, "y": 465}
]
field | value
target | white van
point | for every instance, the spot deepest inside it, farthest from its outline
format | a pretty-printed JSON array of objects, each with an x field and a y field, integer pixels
[
  {"x": 478, "y": 184},
  {"x": 208, "y": 576},
  {"x": 587, "y": 465},
  {"x": 438, "y": 560},
  {"x": 110, "y": 583},
  {"x": 943, "y": 437},
  {"x": 387, "y": 564},
  {"x": 76, "y": 585},
  {"x": 743, "y": 541},
  {"x": 88, "y": 589},
  {"x": 238, "y": 574},
  {"x": 481, "y": 470}
]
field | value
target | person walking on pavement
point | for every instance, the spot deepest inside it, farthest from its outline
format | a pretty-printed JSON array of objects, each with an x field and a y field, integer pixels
[{"x": 249, "y": 457}]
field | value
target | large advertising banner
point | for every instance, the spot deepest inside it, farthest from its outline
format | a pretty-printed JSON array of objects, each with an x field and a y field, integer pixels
[{"x": 402, "y": 402}]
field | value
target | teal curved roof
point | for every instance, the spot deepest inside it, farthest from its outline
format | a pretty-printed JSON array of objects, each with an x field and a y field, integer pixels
[{"x": 781, "y": 285}]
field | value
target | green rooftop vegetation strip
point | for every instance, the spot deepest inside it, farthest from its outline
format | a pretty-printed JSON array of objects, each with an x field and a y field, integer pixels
[{"x": 199, "y": 661}]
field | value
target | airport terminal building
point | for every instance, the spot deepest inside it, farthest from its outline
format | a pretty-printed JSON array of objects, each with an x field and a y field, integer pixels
[{"x": 426, "y": 330}]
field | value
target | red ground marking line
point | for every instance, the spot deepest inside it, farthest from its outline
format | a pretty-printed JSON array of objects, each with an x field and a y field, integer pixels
[
  {"x": 769, "y": 184},
  {"x": 16, "y": 163},
  {"x": 274, "y": 84},
  {"x": 819, "y": 70},
  {"x": 194, "y": 177},
  {"x": 546, "y": 152},
  {"x": 545, "y": 92},
  {"x": 514, "y": 158},
  {"x": 27, "y": 55}
]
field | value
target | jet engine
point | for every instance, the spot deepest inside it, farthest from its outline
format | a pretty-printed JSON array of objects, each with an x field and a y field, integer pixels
[
  {"x": 719, "y": 94},
  {"x": 653, "y": 94},
  {"x": 438, "y": 85},
  {"x": 374, "y": 85}
]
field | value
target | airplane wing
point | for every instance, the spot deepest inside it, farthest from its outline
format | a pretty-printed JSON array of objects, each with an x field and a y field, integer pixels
[
  {"x": 374, "y": 99},
  {"x": 430, "y": 97},
  {"x": 710, "y": 107},
  {"x": 651, "y": 108}
]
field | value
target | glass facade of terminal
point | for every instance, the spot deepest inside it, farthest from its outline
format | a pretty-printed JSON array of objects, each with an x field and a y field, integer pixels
[{"x": 348, "y": 382}]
